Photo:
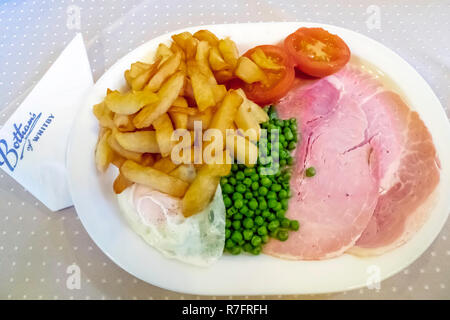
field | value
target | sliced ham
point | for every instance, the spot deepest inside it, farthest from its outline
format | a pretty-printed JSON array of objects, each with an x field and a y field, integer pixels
[
  {"x": 335, "y": 206},
  {"x": 376, "y": 168}
]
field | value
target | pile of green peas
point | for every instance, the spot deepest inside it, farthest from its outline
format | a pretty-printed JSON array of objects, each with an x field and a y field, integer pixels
[{"x": 256, "y": 198}]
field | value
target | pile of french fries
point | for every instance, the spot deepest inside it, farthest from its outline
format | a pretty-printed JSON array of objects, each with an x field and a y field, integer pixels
[{"x": 181, "y": 86}]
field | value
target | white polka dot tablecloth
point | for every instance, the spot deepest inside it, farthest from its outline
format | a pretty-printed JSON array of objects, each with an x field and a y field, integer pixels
[{"x": 42, "y": 253}]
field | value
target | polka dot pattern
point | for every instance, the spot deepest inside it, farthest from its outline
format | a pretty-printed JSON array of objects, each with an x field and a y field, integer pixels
[{"x": 37, "y": 247}]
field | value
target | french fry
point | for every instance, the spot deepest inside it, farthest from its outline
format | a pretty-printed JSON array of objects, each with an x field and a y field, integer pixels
[
  {"x": 257, "y": 112},
  {"x": 224, "y": 116},
  {"x": 180, "y": 102},
  {"x": 140, "y": 80},
  {"x": 203, "y": 93},
  {"x": 219, "y": 91},
  {"x": 249, "y": 71},
  {"x": 186, "y": 110},
  {"x": 185, "y": 172},
  {"x": 138, "y": 141},
  {"x": 179, "y": 119},
  {"x": 127, "y": 154},
  {"x": 164, "y": 130},
  {"x": 223, "y": 76},
  {"x": 176, "y": 48},
  {"x": 103, "y": 115},
  {"x": 245, "y": 120},
  {"x": 165, "y": 165},
  {"x": 103, "y": 152},
  {"x": 203, "y": 187},
  {"x": 137, "y": 68},
  {"x": 187, "y": 42},
  {"x": 216, "y": 60},
  {"x": 163, "y": 53},
  {"x": 204, "y": 117},
  {"x": 123, "y": 123},
  {"x": 201, "y": 57},
  {"x": 153, "y": 178},
  {"x": 118, "y": 160},
  {"x": 121, "y": 183},
  {"x": 166, "y": 70},
  {"x": 242, "y": 149},
  {"x": 129, "y": 102},
  {"x": 168, "y": 93},
  {"x": 265, "y": 62},
  {"x": 206, "y": 35},
  {"x": 229, "y": 51}
]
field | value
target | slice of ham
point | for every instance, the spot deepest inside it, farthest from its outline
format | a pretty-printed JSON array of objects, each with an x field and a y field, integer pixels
[
  {"x": 335, "y": 206},
  {"x": 366, "y": 144},
  {"x": 409, "y": 172}
]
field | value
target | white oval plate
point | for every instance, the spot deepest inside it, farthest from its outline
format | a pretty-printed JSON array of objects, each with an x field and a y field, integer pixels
[{"x": 248, "y": 275}]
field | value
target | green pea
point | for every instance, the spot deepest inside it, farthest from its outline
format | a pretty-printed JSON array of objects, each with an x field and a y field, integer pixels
[
  {"x": 256, "y": 250},
  {"x": 262, "y": 230},
  {"x": 254, "y": 177},
  {"x": 253, "y": 204},
  {"x": 243, "y": 210},
  {"x": 237, "y": 196},
  {"x": 232, "y": 181},
  {"x": 273, "y": 225},
  {"x": 278, "y": 207},
  {"x": 272, "y": 203},
  {"x": 284, "y": 203},
  {"x": 250, "y": 213},
  {"x": 271, "y": 195},
  {"x": 247, "y": 223},
  {"x": 241, "y": 188},
  {"x": 248, "y": 195},
  {"x": 263, "y": 190},
  {"x": 240, "y": 175},
  {"x": 229, "y": 244},
  {"x": 248, "y": 247},
  {"x": 236, "y": 236},
  {"x": 262, "y": 204},
  {"x": 236, "y": 224},
  {"x": 280, "y": 214},
  {"x": 265, "y": 238},
  {"x": 310, "y": 172},
  {"x": 234, "y": 167},
  {"x": 238, "y": 203},
  {"x": 227, "y": 223},
  {"x": 266, "y": 182},
  {"x": 247, "y": 181},
  {"x": 255, "y": 186},
  {"x": 282, "y": 194},
  {"x": 227, "y": 233},
  {"x": 289, "y": 160},
  {"x": 231, "y": 211},
  {"x": 227, "y": 202},
  {"x": 294, "y": 225},
  {"x": 227, "y": 188},
  {"x": 256, "y": 241},
  {"x": 259, "y": 220},
  {"x": 235, "y": 250},
  {"x": 282, "y": 162},
  {"x": 275, "y": 187},
  {"x": 282, "y": 235},
  {"x": 265, "y": 213},
  {"x": 248, "y": 171},
  {"x": 285, "y": 223},
  {"x": 271, "y": 217},
  {"x": 255, "y": 193},
  {"x": 248, "y": 234},
  {"x": 238, "y": 216}
]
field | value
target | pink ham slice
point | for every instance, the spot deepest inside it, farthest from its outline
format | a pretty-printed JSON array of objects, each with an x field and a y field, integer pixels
[
  {"x": 335, "y": 206},
  {"x": 409, "y": 172}
]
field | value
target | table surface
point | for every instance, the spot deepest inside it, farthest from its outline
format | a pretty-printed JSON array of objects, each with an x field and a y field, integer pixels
[{"x": 41, "y": 250}]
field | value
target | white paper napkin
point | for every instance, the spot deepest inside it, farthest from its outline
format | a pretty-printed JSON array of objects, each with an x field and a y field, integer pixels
[{"x": 33, "y": 141}]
